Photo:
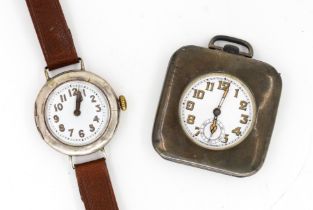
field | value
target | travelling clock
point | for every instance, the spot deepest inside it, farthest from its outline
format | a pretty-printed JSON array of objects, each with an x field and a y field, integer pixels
[{"x": 218, "y": 108}]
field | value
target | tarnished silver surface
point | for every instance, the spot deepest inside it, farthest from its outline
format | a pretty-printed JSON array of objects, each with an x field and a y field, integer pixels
[
  {"x": 40, "y": 112},
  {"x": 169, "y": 139}
]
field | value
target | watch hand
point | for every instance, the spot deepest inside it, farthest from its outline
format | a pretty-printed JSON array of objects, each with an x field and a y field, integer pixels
[
  {"x": 223, "y": 97},
  {"x": 217, "y": 111},
  {"x": 79, "y": 99},
  {"x": 213, "y": 126}
]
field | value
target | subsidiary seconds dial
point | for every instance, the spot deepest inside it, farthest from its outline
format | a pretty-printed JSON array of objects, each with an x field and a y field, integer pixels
[
  {"x": 217, "y": 111},
  {"x": 77, "y": 113}
]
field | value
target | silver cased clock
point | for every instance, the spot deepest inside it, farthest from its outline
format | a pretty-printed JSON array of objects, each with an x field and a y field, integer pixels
[
  {"x": 176, "y": 136},
  {"x": 40, "y": 106}
]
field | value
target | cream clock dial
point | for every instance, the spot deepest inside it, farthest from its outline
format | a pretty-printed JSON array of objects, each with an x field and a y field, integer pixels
[
  {"x": 217, "y": 111},
  {"x": 77, "y": 113}
]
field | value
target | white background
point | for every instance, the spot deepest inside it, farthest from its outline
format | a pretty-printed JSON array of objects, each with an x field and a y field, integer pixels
[{"x": 129, "y": 43}]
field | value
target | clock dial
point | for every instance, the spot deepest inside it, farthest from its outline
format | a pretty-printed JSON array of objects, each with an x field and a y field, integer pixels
[
  {"x": 77, "y": 113},
  {"x": 217, "y": 111}
]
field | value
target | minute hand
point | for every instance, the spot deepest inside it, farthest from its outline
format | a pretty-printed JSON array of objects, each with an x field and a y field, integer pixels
[
  {"x": 217, "y": 111},
  {"x": 223, "y": 97}
]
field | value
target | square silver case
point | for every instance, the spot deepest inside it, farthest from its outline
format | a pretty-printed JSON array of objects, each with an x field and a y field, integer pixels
[{"x": 190, "y": 62}]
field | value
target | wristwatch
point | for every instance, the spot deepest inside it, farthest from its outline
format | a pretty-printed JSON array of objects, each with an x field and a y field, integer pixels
[{"x": 76, "y": 112}]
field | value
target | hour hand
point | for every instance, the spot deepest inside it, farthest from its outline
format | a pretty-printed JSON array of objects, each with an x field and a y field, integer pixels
[
  {"x": 79, "y": 99},
  {"x": 213, "y": 126}
]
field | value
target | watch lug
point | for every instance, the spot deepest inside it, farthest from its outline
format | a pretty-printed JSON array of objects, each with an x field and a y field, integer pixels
[
  {"x": 75, "y": 160},
  {"x": 64, "y": 69},
  {"x": 47, "y": 75}
]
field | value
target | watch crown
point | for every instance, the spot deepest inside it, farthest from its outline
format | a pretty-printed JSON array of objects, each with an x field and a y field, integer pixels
[{"x": 123, "y": 103}]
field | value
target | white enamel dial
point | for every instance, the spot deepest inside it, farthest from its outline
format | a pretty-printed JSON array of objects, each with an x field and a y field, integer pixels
[
  {"x": 217, "y": 111},
  {"x": 77, "y": 113}
]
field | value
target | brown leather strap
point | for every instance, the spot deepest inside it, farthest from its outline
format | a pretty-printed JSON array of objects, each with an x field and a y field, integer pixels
[
  {"x": 95, "y": 186},
  {"x": 53, "y": 33}
]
